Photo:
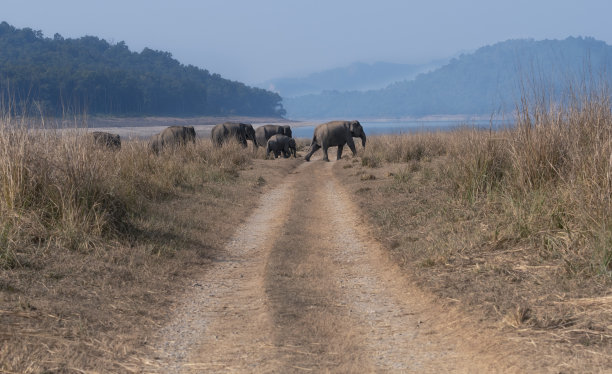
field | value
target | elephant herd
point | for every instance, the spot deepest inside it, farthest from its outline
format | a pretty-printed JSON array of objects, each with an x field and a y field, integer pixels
[{"x": 275, "y": 138}]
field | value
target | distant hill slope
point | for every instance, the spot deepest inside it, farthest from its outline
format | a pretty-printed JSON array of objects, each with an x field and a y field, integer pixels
[
  {"x": 355, "y": 77},
  {"x": 482, "y": 82},
  {"x": 91, "y": 75}
]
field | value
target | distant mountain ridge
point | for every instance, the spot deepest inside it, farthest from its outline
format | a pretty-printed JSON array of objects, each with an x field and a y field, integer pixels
[
  {"x": 358, "y": 76},
  {"x": 486, "y": 81}
]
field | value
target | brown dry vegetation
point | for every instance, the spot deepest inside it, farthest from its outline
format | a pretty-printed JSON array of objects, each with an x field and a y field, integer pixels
[
  {"x": 513, "y": 225},
  {"x": 95, "y": 245}
]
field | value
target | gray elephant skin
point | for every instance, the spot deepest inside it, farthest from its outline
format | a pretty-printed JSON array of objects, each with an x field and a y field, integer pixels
[
  {"x": 281, "y": 144},
  {"x": 230, "y": 130},
  {"x": 336, "y": 133},
  {"x": 172, "y": 136},
  {"x": 263, "y": 133},
  {"x": 106, "y": 139}
]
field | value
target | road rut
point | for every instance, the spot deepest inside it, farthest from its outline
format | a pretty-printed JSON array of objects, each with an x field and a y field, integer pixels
[{"x": 302, "y": 287}]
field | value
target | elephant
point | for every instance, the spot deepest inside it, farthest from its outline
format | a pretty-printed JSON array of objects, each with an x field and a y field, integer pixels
[
  {"x": 281, "y": 143},
  {"x": 171, "y": 137},
  {"x": 228, "y": 130},
  {"x": 106, "y": 139},
  {"x": 336, "y": 133},
  {"x": 263, "y": 133}
]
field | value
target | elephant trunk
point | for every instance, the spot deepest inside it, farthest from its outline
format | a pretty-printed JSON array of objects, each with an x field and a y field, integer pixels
[{"x": 363, "y": 139}]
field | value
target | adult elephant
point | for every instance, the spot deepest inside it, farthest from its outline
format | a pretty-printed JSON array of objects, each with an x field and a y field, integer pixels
[
  {"x": 336, "y": 133},
  {"x": 106, "y": 139},
  {"x": 171, "y": 137},
  {"x": 242, "y": 132},
  {"x": 281, "y": 143},
  {"x": 263, "y": 133}
]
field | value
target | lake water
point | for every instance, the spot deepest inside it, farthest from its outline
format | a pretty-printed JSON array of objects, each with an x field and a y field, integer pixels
[{"x": 407, "y": 127}]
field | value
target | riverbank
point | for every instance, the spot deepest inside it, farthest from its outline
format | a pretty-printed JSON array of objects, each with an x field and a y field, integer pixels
[{"x": 143, "y": 127}]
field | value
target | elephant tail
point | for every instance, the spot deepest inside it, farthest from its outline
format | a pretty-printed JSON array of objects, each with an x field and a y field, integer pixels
[{"x": 314, "y": 140}]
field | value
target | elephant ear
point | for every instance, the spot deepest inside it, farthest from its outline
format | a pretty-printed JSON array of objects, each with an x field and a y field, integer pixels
[{"x": 351, "y": 126}]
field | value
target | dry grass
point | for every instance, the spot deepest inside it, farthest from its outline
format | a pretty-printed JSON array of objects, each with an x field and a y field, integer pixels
[
  {"x": 420, "y": 146},
  {"x": 62, "y": 190},
  {"x": 515, "y": 223},
  {"x": 95, "y": 244}
]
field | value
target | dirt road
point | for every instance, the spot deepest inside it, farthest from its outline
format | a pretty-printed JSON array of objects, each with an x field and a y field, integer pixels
[{"x": 301, "y": 287}]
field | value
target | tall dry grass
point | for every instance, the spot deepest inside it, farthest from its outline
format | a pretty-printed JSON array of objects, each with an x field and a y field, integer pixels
[
  {"x": 553, "y": 173},
  {"x": 549, "y": 177},
  {"x": 58, "y": 188},
  {"x": 390, "y": 148}
]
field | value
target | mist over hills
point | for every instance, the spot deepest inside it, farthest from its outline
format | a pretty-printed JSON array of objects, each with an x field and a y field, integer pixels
[
  {"x": 91, "y": 75},
  {"x": 357, "y": 76},
  {"x": 487, "y": 81}
]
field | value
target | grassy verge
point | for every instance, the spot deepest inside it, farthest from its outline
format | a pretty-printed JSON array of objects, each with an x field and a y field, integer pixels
[
  {"x": 95, "y": 245},
  {"x": 514, "y": 224}
]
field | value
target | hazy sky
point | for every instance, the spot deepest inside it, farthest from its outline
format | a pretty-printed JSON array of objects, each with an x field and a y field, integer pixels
[{"x": 254, "y": 40}]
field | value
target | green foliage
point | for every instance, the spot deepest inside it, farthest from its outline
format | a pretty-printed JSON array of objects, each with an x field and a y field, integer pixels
[{"x": 91, "y": 75}]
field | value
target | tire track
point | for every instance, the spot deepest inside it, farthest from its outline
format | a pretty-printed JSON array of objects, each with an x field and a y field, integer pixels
[
  {"x": 336, "y": 299},
  {"x": 399, "y": 335},
  {"x": 303, "y": 287},
  {"x": 223, "y": 325},
  {"x": 313, "y": 329}
]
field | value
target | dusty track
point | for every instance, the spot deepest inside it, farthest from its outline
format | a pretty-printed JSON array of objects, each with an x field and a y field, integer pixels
[{"x": 300, "y": 288}]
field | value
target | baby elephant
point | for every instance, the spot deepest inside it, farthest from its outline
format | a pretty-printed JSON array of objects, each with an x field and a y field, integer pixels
[{"x": 281, "y": 143}]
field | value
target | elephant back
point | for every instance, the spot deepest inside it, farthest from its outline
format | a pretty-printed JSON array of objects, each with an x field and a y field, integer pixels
[
  {"x": 178, "y": 135},
  {"x": 278, "y": 138},
  {"x": 232, "y": 130}
]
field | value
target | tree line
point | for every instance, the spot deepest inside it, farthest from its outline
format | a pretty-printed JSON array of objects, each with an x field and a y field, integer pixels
[{"x": 90, "y": 75}]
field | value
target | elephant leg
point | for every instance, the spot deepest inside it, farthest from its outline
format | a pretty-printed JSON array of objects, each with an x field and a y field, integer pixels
[
  {"x": 339, "y": 156},
  {"x": 325, "y": 157},
  {"x": 351, "y": 145},
  {"x": 313, "y": 148}
]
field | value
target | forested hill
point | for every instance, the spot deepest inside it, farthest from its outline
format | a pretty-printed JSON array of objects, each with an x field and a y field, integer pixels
[
  {"x": 484, "y": 82},
  {"x": 91, "y": 75}
]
